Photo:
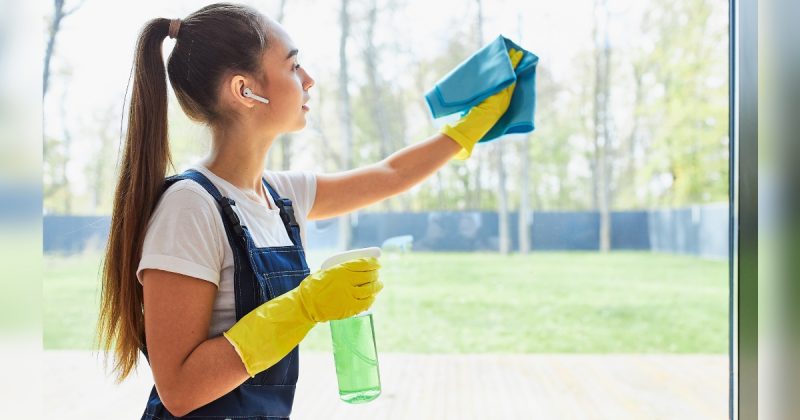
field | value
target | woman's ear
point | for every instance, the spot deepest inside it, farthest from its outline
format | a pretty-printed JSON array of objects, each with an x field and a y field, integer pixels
[{"x": 235, "y": 91}]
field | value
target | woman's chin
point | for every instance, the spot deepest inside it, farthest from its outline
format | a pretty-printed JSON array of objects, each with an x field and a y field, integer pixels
[
  {"x": 300, "y": 125},
  {"x": 303, "y": 121}
]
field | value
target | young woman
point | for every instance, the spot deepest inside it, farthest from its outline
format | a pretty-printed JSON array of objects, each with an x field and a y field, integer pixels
[{"x": 205, "y": 272}]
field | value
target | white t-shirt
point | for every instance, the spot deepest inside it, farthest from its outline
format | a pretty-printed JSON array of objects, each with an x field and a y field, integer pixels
[{"x": 185, "y": 234}]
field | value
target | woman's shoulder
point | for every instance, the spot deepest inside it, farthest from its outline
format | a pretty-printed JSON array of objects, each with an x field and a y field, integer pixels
[
  {"x": 185, "y": 210},
  {"x": 291, "y": 176},
  {"x": 291, "y": 182},
  {"x": 186, "y": 194}
]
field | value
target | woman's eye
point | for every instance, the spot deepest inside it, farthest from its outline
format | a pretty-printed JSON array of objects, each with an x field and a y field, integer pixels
[{"x": 297, "y": 66}]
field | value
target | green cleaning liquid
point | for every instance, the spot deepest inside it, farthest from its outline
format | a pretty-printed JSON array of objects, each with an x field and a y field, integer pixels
[{"x": 356, "y": 358}]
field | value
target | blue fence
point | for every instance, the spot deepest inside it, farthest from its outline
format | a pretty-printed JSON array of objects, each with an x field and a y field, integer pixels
[
  {"x": 73, "y": 234},
  {"x": 698, "y": 230},
  {"x": 20, "y": 201}
]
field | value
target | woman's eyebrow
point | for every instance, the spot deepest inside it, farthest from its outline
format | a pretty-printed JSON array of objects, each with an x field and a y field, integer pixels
[{"x": 291, "y": 53}]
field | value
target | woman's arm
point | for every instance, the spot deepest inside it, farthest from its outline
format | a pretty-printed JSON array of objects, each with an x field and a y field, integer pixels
[
  {"x": 347, "y": 191},
  {"x": 190, "y": 370}
]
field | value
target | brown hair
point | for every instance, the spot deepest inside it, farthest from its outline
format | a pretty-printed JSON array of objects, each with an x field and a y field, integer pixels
[{"x": 213, "y": 41}]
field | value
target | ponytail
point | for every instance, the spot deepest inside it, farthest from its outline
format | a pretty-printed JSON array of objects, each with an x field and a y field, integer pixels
[
  {"x": 213, "y": 41},
  {"x": 141, "y": 178}
]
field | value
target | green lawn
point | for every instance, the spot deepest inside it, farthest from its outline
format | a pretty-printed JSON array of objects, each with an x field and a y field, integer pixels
[
  {"x": 623, "y": 302},
  {"x": 21, "y": 259}
]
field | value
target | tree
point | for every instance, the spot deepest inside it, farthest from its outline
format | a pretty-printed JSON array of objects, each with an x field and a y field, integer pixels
[
  {"x": 601, "y": 165},
  {"x": 523, "y": 222},
  {"x": 285, "y": 139},
  {"x": 450, "y": 189},
  {"x": 479, "y": 158},
  {"x": 380, "y": 114},
  {"x": 501, "y": 191},
  {"x": 59, "y": 14},
  {"x": 56, "y": 151},
  {"x": 345, "y": 118},
  {"x": 684, "y": 120},
  {"x": 100, "y": 170}
]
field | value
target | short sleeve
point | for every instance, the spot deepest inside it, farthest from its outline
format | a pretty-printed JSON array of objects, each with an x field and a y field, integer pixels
[
  {"x": 309, "y": 186},
  {"x": 184, "y": 235}
]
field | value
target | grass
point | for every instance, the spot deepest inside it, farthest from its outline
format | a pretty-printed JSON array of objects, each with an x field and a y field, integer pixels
[
  {"x": 559, "y": 302},
  {"x": 21, "y": 259}
]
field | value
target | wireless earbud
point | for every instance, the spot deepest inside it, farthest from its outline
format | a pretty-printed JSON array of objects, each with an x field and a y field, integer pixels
[{"x": 249, "y": 93}]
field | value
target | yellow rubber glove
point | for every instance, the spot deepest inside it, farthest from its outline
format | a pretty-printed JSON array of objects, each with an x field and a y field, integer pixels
[
  {"x": 270, "y": 331},
  {"x": 482, "y": 117}
]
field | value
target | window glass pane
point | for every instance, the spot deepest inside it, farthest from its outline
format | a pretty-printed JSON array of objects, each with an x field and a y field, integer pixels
[{"x": 578, "y": 270}]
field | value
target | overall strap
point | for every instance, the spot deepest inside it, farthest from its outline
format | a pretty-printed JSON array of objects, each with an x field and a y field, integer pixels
[
  {"x": 225, "y": 204},
  {"x": 246, "y": 288},
  {"x": 287, "y": 214}
]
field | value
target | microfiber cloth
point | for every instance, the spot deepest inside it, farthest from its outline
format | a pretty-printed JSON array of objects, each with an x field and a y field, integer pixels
[{"x": 483, "y": 74}]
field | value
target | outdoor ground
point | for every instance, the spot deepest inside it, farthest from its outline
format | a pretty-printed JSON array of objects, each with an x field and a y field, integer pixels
[{"x": 626, "y": 335}]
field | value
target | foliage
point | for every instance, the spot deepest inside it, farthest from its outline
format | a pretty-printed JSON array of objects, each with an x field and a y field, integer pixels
[{"x": 668, "y": 94}]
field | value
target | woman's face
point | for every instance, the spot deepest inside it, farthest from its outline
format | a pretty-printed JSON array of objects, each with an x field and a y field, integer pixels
[{"x": 287, "y": 85}]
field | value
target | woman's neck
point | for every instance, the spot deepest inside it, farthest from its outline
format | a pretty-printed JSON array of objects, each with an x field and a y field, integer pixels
[{"x": 239, "y": 159}]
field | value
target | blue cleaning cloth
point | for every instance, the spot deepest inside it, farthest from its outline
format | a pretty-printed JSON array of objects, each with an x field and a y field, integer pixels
[{"x": 483, "y": 74}]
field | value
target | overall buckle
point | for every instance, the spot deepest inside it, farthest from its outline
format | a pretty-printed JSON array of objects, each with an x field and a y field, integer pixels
[
  {"x": 287, "y": 212},
  {"x": 227, "y": 208}
]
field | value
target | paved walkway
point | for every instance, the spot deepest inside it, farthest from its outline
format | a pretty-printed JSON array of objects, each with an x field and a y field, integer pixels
[{"x": 445, "y": 386}]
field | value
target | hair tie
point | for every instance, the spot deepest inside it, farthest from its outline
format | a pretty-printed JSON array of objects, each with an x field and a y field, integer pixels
[{"x": 174, "y": 26}]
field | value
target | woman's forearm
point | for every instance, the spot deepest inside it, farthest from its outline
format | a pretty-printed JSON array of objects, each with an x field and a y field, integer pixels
[
  {"x": 212, "y": 370},
  {"x": 391, "y": 176},
  {"x": 413, "y": 164}
]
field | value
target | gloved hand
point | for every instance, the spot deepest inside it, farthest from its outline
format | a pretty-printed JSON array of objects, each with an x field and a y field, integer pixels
[
  {"x": 270, "y": 331},
  {"x": 482, "y": 117}
]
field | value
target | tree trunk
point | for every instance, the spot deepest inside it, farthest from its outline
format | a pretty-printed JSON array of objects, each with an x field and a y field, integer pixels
[
  {"x": 478, "y": 174},
  {"x": 345, "y": 120},
  {"x": 524, "y": 221},
  {"x": 602, "y": 141},
  {"x": 374, "y": 89},
  {"x": 438, "y": 185},
  {"x": 64, "y": 181},
  {"x": 285, "y": 140},
  {"x": 504, "y": 234},
  {"x": 55, "y": 26},
  {"x": 50, "y": 148}
]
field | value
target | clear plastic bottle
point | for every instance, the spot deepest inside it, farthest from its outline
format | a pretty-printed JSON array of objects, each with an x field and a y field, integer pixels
[
  {"x": 354, "y": 351},
  {"x": 356, "y": 357}
]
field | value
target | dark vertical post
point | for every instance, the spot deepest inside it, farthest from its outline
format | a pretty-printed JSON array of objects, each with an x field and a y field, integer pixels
[{"x": 744, "y": 207}]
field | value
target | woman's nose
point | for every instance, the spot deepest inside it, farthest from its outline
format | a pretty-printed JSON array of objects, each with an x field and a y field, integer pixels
[{"x": 309, "y": 82}]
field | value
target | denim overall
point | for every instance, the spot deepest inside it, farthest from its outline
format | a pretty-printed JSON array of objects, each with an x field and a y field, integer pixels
[{"x": 261, "y": 274}]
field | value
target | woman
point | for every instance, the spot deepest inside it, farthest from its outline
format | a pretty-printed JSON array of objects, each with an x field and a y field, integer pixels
[{"x": 206, "y": 273}]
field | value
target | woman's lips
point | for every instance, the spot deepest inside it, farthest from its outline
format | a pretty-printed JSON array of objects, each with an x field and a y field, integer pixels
[{"x": 305, "y": 108}]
